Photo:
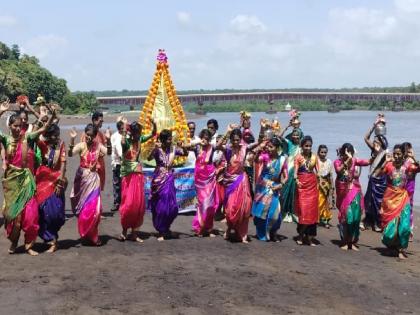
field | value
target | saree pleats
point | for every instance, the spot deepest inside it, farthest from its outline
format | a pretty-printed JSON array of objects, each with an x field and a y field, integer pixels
[
  {"x": 133, "y": 204},
  {"x": 86, "y": 203}
]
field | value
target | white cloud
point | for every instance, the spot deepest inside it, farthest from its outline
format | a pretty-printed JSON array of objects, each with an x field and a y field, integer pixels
[
  {"x": 7, "y": 21},
  {"x": 410, "y": 6},
  {"x": 183, "y": 18},
  {"x": 247, "y": 24},
  {"x": 44, "y": 46},
  {"x": 363, "y": 23}
]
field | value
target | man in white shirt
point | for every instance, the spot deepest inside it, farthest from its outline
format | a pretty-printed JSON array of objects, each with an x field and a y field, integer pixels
[
  {"x": 116, "y": 157},
  {"x": 213, "y": 126},
  {"x": 194, "y": 141}
]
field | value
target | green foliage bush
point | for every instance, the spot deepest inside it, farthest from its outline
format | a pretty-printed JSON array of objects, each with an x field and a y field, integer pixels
[{"x": 23, "y": 74}]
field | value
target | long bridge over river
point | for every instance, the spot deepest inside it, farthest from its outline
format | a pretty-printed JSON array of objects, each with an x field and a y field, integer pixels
[{"x": 328, "y": 97}]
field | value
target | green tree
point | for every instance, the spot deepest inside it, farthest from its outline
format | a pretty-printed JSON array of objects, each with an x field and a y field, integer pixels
[
  {"x": 412, "y": 88},
  {"x": 5, "y": 52},
  {"x": 10, "y": 84},
  {"x": 15, "y": 52}
]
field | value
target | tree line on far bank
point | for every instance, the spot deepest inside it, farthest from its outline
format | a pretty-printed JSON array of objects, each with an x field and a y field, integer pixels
[{"x": 22, "y": 74}]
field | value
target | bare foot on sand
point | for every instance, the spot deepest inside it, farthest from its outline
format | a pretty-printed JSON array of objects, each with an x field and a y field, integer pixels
[
  {"x": 344, "y": 247},
  {"x": 32, "y": 252},
  {"x": 226, "y": 235},
  {"x": 52, "y": 248},
  {"x": 402, "y": 255},
  {"x": 12, "y": 248}
]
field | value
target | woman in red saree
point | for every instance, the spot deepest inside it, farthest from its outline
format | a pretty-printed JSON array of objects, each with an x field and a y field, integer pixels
[
  {"x": 50, "y": 186},
  {"x": 238, "y": 200},
  {"x": 306, "y": 203},
  {"x": 133, "y": 203},
  {"x": 206, "y": 186},
  {"x": 85, "y": 196},
  {"x": 20, "y": 208}
]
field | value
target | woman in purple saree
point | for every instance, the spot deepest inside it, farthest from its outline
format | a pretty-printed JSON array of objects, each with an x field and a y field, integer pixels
[
  {"x": 163, "y": 193},
  {"x": 50, "y": 186},
  {"x": 377, "y": 181}
]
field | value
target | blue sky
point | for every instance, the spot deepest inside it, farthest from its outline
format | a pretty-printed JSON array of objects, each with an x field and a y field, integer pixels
[{"x": 220, "y": 44}]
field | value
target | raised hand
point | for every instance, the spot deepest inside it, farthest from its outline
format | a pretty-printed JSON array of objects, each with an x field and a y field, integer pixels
[
  {"x": 154, "y": 127},
  {"x": 348, "y": 154},
  {"x": 158, "y": 145},
  {"x": 73, "y": 133},
  {"x": 263, "y": 123},
  {"x": 108, "y": 133},
  {"x": 5, "y": 106}
]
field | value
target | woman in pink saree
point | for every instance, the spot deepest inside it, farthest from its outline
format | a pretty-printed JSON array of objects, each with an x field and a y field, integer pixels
[
  {"x": 349, "y": 196},
  {"x": 20, "y": 208},
  {"x": 206, "y": 187},
  {"x": 238, "y": 200},
  {"x": 85, "y": 196}
]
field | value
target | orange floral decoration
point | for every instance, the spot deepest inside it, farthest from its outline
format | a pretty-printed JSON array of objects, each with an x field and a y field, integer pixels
[{"x": 178, "y": 125}]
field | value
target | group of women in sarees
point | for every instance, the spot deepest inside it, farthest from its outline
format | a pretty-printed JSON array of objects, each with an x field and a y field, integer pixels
[{"x": 272, "y": 179}]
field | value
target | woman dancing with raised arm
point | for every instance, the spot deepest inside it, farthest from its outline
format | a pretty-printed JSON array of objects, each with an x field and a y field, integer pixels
[
  {"x": 395, "y": 210},
  {"x": 50, "y": 186},
  {"x": 133, "y": 203},
  {"x": 289, "y": 189},
  {"x": 20, "y": 208},
  {"x": 85, "y": 196},
  {"x": 163, "y": 193},
  {"x": 238, "y": 200},
  {"x": 206, "y": 186},
  {"x": 377, "y": 181},
  {"x": 266, "y": 207},
  {"x": 349, "y": 196}
]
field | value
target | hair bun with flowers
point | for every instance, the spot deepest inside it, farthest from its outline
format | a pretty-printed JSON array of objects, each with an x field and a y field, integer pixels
[
  {"x": 245, "y": 115},
  {"x": 294, "y": 114},
  {"x": 22, "y": 99}
]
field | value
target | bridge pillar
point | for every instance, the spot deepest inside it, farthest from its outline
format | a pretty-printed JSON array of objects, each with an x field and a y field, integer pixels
[{"x": 200, "y": 110}]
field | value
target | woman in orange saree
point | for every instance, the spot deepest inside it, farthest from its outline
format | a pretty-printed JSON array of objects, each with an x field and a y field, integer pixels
[{"x": 396, "y": 207}]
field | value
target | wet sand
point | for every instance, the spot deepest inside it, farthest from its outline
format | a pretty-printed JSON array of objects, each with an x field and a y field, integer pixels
[{"x": 191, "y": 275}]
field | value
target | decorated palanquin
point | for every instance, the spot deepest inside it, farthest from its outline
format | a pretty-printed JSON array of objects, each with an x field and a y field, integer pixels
[{"x": 163, "y": 106}]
